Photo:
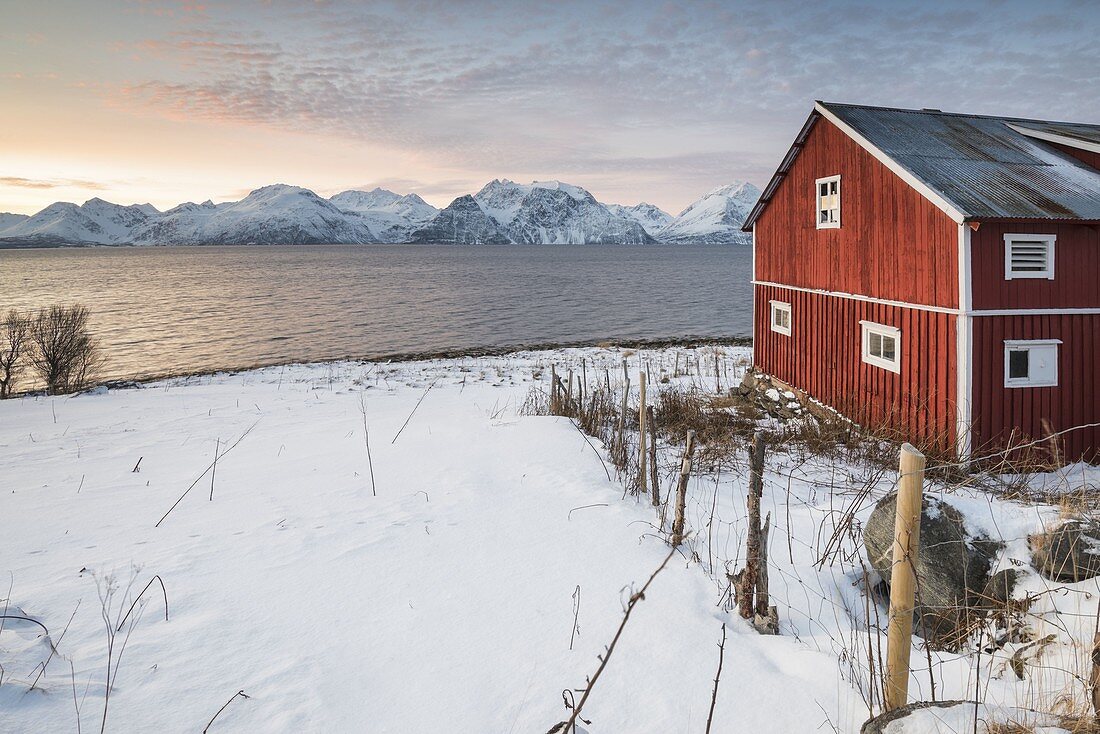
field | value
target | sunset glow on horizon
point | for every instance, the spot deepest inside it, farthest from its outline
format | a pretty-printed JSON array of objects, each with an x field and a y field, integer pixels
[{"x": 169, "y": 101}]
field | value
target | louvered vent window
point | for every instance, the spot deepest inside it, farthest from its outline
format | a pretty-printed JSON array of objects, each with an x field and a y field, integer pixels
[{"x": 1029, "y": 256}]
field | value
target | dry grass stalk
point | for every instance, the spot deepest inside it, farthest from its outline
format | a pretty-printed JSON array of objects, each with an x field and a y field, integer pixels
[
  {"x": 631, "y": 603},
  {"x": 235, "y": 696},
  {"x": 717, "y": 677}
]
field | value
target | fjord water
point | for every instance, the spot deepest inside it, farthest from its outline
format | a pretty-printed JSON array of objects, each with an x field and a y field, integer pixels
[{"x": 161, "y": 310}]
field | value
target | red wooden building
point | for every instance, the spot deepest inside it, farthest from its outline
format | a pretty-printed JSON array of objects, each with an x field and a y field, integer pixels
[{"x": 936, "y": 272}]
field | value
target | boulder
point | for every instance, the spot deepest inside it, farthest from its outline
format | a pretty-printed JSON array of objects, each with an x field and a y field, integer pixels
[
  {"x": 998, "y": 590},
  {"x": 894, "y": 722},
  {"x": 1068, "y": 553},
  {"x": 952, "y": 566}
]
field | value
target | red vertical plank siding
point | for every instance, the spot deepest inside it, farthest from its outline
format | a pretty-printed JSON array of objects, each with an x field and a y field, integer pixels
[
  {"x": 895, "y": 245},
  {"x": 1076, "y": 267},
  {"x": 823, "y": 356},
  {"x": 1074, "y": 401},
  {"x": 892, "y": 244}
]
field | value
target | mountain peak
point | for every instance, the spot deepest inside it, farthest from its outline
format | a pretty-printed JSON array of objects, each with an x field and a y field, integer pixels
[
  {"x": 742, "y": 191},
  {"x": 360, "y": 201},
  {"x": 716, "y": 218},
  {"x": 277, "y": 189}
]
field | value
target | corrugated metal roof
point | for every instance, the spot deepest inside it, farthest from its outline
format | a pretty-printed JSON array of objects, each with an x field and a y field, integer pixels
[
  {"x": 1074, "y": 130},
  {"x": 980, "y": 164}
]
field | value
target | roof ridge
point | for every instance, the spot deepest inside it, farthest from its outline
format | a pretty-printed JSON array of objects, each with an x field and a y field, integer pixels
[{"x": 927, "y": 111}]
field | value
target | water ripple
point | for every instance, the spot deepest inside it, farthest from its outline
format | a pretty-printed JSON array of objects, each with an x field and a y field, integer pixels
[{"x": 178, "y": 309}]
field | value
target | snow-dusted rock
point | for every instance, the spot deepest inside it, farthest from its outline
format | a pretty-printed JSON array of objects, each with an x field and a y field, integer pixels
[
  {"x": 551, "y": 212},
  {"x": 941, "y": 717},
  {"x": 652, "y": 219},
  {"x": 952, "y": 566},
  {"x": 714, "y": 219},
  {"x": 463, "y": 222},
  {"x": 543, "y": 212},
  {"x": 1068, "y": 553}
]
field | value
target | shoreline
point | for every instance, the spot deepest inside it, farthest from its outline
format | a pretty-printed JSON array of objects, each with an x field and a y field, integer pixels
[{"x": 421, "y": 356}]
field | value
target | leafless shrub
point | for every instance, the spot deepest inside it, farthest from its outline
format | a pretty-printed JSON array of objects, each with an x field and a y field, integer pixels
[
  {"x": 65, "y": 354},
  {"x": 13, "y": 348}
]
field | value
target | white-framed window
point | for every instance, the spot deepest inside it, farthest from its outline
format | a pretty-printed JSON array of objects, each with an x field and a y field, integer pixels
[
  {"x": 781, "y": 317},
  {"x": 1031, "y": 362},
  {"x": 827, "y": 195},
  {"x": 881, "y": 345},
  {"x": 1029, "y": 256}
]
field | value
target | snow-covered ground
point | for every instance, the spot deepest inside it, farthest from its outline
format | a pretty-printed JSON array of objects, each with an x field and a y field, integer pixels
[{"x": 475, "y": 577}]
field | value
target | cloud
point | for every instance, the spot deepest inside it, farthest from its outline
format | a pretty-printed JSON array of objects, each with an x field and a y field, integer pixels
[
  {"x": 685, "y": 92},
  {"x": 51, "y": 183}
]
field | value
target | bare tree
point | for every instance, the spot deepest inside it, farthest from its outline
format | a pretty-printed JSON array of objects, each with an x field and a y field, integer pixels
[
  {"x": 13, "y": 348},
  {"x": 65, "y": 354}
]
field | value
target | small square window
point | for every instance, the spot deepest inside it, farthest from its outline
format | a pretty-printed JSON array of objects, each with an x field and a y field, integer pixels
[
  {"x": 828, "y": 202},
  {"x": 1029, "y": 256},
  {"x": 881, "y": 346},
  {"x": 781, "y": 317},
  {"x": 1031, "y": 363}
]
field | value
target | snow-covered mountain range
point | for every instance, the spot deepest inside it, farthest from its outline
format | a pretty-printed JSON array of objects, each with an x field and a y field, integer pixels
[
  {"x": 542, "y": 212},
  {"x": 714, "y": 219},
  {"x": 391, "y": 217},
  {"x": 652, "y": 219},
  {"x": 278, "y": 214}
]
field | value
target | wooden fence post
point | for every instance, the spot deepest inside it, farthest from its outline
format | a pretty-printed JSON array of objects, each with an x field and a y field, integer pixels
[
  {"x": 654, "y": 478},
  {"x": 762, "y": 596},
  {"x": 1094, "y": 676},
  {"x": 553, "y": 390},
  {"x": 584, "y": 380},
  {"x": 903, "y": 579},
  {"x": 641, "y": 433},
  {"x": 620, "y": 438},
  {"x": 681, "y": 491},
  {"x": 746, "y": 591}
]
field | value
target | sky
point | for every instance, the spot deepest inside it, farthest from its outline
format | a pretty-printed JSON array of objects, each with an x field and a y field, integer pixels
[{"x": 165, "y": 101}]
